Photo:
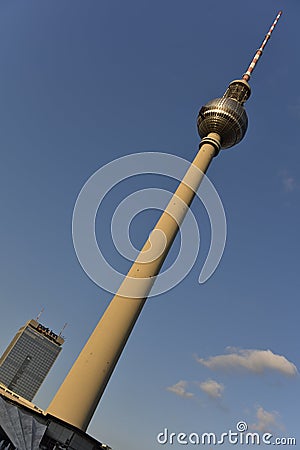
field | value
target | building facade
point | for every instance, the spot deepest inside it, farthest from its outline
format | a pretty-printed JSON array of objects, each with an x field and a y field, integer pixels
[
  {"x": 24, "y": 426},
  {"x": 27, "y": 360}
]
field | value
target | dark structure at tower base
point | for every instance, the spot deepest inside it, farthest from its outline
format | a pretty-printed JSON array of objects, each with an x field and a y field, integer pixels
[{"x": 24, "y": 426}]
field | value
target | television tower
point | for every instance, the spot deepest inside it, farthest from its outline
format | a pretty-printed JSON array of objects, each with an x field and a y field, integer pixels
[{"x": 222, "y": 123}]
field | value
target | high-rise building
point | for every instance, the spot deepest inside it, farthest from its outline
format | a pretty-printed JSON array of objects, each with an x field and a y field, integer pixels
[{"x": 27, "y": 360}]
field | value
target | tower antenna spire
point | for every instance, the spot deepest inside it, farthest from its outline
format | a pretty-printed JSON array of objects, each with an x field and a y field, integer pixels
[{"x": 259, "y": 52}]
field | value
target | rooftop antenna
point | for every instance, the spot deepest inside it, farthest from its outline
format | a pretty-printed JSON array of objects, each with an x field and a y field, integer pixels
[
  {"x": 222, "y": 123},
  {"x": 60, "y": 334},
  {"x": 39, "y": 314}
]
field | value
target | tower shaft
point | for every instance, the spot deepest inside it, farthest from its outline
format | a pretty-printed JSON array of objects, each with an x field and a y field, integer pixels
[
  {"x": 81, "y": 391},
  {"x": 222, "y": 122}
]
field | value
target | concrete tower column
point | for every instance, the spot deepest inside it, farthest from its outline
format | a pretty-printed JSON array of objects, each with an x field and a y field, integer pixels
[
  {"x": 81, "y": 391},
  {"x": 222, "y": 121}
]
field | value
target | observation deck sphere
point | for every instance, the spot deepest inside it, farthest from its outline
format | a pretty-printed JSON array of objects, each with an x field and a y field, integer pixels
[{"x": 224, "y": 116}]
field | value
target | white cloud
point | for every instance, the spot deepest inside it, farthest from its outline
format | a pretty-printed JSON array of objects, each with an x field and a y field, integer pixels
[
  {"x": 266, "y": 421},
  {"x": 256, "y": 361},
  {"x": 288, "y": 181},
  {"x": 212, "y": 388},
  {"x": 180, "y": 389}
]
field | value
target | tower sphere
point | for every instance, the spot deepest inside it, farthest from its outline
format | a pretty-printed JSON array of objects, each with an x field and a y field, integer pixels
[{"x": 225, "y": 116}]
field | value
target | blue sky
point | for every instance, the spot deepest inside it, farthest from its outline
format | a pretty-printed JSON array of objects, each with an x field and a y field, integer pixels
[{"x": 83, "y": 83}]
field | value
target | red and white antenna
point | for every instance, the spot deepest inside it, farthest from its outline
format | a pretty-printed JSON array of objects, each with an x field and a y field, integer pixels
[
  {"x": 259, "y": 52},
  {"x": 39, "y": 314}
]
